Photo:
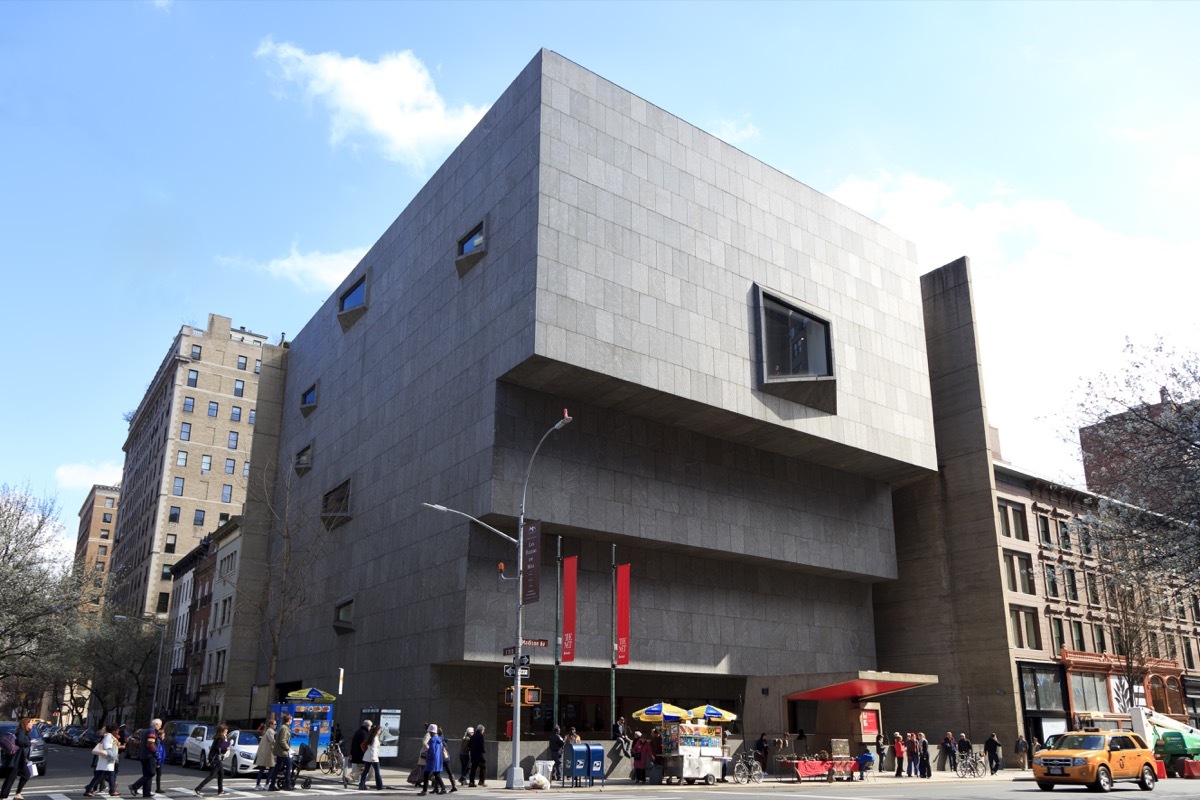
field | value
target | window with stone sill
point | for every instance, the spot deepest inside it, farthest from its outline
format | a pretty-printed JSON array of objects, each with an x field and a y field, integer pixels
[
  {"x": 352, "y": 303},
  {"x": 471, "y": 248},
  {"x": 302, "y": 461},
  {"x": 308, "y": 400},
  {"x": 335, "y": 506},
  {"x": 343, "y": 616},
  {"x": 795, "y": 352}
]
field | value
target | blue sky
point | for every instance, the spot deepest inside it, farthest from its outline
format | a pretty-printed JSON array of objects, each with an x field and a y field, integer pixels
[{"x": 164, "y": 160}]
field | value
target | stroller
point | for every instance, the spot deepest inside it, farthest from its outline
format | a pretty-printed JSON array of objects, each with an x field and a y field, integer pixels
[{"x": 305, "y": 759}]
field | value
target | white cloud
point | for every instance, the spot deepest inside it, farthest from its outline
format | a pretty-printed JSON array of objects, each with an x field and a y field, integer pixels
[
  {"x": 73, "y": 477},
  {"x": 393, "y": 100},
  {"x": 735, "y": 131},
  {"x": 313, "y": 271},
  {"x": 1056, "y": 296}
]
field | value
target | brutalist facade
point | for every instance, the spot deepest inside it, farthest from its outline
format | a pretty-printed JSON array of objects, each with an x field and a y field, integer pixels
[{"x": 745, "y": 362}]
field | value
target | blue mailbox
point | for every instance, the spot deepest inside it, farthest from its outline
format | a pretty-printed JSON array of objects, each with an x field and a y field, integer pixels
[
  {"x": 576, "y": 763},
  {"x": 595, "y": 762}
]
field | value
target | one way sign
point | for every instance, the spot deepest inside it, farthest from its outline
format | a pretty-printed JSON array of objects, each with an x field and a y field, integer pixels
[{"x": 510, "y": 671}]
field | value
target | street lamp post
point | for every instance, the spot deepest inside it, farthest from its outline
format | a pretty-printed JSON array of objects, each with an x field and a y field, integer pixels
[
  {"x": 516, "y": 775},
  {"x": 162, "y": 631}
]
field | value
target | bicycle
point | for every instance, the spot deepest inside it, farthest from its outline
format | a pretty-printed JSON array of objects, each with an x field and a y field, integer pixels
[
  {"x": 746, "y": 768},
  {"x": 332, "y": 759},
  {"x": 971, "y": 765}
]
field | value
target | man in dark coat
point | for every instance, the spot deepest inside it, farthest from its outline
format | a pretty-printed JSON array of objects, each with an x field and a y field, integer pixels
[
  {"x": 557, "y": 744},
  {"x": 992, "y": 748},
  {"x": 357, "y": 748},
  {"x": 478, "y": 756},
  {"x": 148, "y": 755}
]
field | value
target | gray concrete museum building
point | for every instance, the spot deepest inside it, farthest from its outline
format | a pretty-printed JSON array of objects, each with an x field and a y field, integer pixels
[{"x": 745, "y": 363}]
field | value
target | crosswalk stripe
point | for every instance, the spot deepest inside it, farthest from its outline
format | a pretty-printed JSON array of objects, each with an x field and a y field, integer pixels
[{"x": 59, "y": 797}]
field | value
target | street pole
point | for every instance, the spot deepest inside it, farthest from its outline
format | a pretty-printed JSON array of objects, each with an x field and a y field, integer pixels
[
  {"x": 557, "y": 625},
  {"x": 516, "y": 775}
]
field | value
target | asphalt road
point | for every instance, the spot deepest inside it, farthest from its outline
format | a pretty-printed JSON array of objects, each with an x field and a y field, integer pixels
[{"x": 70, "y": 770}]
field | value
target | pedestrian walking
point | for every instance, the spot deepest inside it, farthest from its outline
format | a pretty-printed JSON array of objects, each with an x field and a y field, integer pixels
[
  {"x": 370, "y": 759},
  {"x": 447, "y": 767},
  {"x": 122, "y": 736},
  {"x": 282, "y": 750},
  {"x": 557, "y": 745},
  {"x": 435, "y": 760},
  {"x": 464, "y": 753},
  {"x": 147, "y": 754},
  {"x": 106, "y": 755},
  {"x": 18, "y": 762},
  {"x": 478, "y": 756},
  {"x": 216, "y": 761},
  {"x": 1022, "y": 751},
  {"x": 264, "y": 756},
  {"x": 358, "y": 745}
]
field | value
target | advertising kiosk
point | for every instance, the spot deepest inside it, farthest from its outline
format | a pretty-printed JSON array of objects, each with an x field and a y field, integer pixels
[{"x": 692, "y": 752}]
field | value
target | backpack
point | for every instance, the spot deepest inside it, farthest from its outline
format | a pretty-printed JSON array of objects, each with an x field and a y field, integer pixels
[
  {"x": 133, "y": 745},
  {"x": 8, "y": 744}
]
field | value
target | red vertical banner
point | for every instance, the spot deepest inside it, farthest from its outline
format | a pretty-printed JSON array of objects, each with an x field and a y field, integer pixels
[
  {"x": 622, "y": 614},
  {"x": 570, "y": 570}
]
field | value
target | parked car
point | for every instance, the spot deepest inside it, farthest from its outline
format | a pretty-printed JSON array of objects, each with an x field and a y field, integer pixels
[
  {"x": 175, "y": 734},
  {"x": 70, "y": 736},
  {"x": 89, "y": 738},
  {"x": 243, "y": 745},
  {"x": 1095, "y": 759},
  {"x": 196, "y": 745},
  {"x": 37, "y": 745}
]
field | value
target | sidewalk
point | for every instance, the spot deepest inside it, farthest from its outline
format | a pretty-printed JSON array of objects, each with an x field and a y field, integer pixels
[{"x": 394, "y": 780}]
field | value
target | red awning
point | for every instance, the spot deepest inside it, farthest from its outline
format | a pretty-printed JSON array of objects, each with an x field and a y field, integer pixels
[{"x": 864, "y": 688}]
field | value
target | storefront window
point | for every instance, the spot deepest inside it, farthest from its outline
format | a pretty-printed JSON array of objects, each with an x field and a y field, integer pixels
[
  {"x": 1043, "y": 689},
  {"x": 1089, "y": 692}
]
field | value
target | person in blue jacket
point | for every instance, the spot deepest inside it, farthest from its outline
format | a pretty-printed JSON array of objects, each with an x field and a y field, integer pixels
[
  {"x": 865, "y": 760},
  {"x": 435, "y": 762}
]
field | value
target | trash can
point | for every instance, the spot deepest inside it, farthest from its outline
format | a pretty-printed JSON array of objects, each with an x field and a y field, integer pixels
[
  {"x": 576, "y": 765},
  {"x": 544, "y": 768},
  {"x": 595, "y": 762}
]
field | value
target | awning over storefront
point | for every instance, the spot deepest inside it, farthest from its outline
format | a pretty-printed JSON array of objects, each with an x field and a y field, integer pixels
[{"x": 860, "y": 686}]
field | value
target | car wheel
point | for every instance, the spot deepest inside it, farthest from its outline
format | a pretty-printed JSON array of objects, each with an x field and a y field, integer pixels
[
  {"x": 1104, "y": 780},
  {"x": 1045, "y": 787},
  {"x": 203, "y": 760},
  {"x": 1149, "y": 778}
]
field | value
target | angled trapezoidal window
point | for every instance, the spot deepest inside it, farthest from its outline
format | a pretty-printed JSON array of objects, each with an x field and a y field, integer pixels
[
  {"x": 335, "y": 506},
  {"x": 795, "y": 349},
  {"x": 353, "y": 303},
  {"x": 471, "y": 248}
]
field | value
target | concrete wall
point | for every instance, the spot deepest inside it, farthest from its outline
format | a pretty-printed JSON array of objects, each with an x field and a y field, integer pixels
[
  {"x": 946, "y": 615},
  {"x": 755, "y": 525}
]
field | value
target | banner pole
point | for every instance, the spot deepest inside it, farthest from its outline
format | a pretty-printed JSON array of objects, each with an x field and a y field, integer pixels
[
  {"x": 612, "y": 672},
  {"x": 558, "y": 608}
]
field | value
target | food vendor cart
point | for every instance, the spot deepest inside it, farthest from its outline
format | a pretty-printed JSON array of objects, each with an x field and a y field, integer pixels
[{"x": 692, "y": 752}]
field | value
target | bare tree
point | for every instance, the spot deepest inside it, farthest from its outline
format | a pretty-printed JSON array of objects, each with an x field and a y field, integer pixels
[
  {"x": 38, "y": 594},
  {"x": 1136, "y": 593},
  {"x": 1140, "y": 436},
  {"x": 288, "y": 533}
]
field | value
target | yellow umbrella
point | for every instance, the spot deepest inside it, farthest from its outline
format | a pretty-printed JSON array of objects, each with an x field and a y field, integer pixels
[
  {"x": 712, "y": 713},
  {"x": 313, "y": 695},
  {"x": 661, "y": 712}
]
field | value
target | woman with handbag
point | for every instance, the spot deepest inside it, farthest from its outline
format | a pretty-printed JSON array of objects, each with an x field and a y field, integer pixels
[
  {"x": 371, "y": 758},
  {"x": 264, "y": 756},
  {"x": 105, "y": 752},
  {"x": 19, "y": 764},
  {"x": 216, "y": 755}
]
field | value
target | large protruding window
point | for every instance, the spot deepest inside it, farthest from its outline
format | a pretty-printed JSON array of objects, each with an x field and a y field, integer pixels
[{"x": 795, "y": 353}]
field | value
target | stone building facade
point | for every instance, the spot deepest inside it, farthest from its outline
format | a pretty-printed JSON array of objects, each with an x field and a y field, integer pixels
[{"x": 745, "y": 363}]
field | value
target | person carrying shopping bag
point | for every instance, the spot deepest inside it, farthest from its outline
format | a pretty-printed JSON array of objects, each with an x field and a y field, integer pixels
[
  {"x": 105, "y": 752},
  {"x": 216, "y": 761}
]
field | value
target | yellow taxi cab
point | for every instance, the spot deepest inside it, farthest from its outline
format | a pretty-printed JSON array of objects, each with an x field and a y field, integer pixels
[{"x": 1096, "y": 759}]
